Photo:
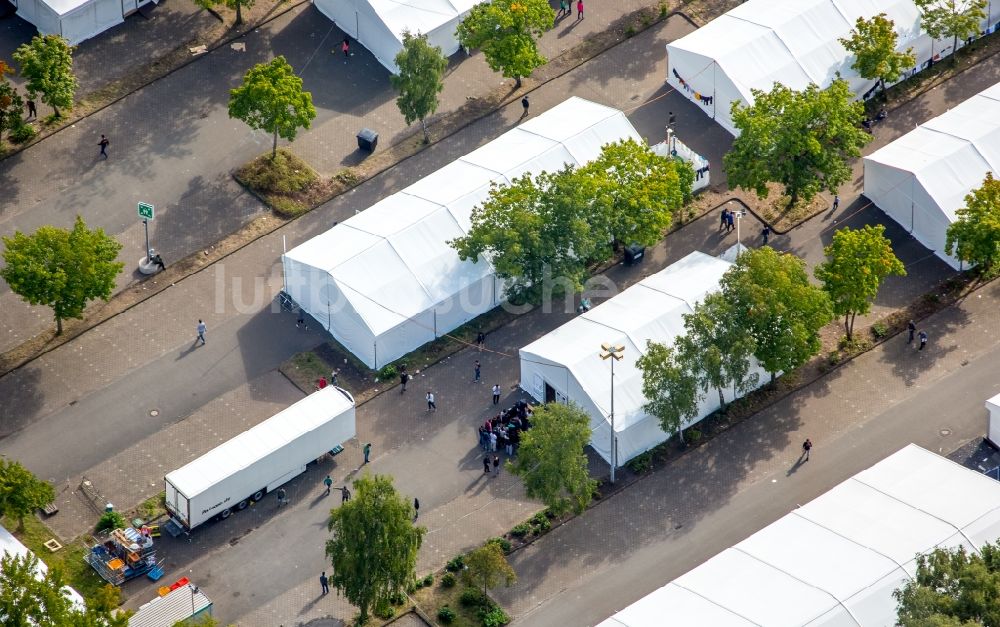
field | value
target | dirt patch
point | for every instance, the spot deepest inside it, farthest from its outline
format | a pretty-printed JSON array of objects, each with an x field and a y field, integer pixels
[{"x": 284, "y": 182}]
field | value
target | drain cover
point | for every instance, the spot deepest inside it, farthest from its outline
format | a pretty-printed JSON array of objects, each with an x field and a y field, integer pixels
[
  {"x": 945, "y": 431},
  {"x": 154, "y": 412}
]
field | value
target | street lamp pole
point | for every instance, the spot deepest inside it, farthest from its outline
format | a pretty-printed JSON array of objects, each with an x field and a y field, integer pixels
[{"x": 615, "y": 353}]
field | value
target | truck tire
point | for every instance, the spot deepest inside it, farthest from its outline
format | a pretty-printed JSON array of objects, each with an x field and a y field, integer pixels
[
  {"x": 258, "y": 495},
  {"x": 226, "y": 513},
  {"x": 242, "y": 505}
]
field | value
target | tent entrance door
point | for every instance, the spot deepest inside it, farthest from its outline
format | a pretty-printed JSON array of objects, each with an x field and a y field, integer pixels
[{"x": 550, "y": 393}]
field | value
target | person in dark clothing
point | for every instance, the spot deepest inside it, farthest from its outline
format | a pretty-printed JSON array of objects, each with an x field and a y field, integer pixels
[
  {"x": 724, "y": 219},
  {"x": 806, "y": 447},
  {"x": 923, "y": 339},
  {"x": 486, "y": 465},
  {"x": 324, "y": 583},
  {"x": 416, "y": 509},
  {"x": 525, "y": 104},
  {"x": 480, "y": 340},
  {"x": 912, "y": 328},
  {"x": 765, "y": 233},
  {"x": 32, "y": 111},
  {"x": 158, "y": 261},
  {"x": 345, "y": 494}
]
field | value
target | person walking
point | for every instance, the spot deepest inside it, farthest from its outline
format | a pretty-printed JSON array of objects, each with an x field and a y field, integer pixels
[
  {"x": 321, "y": 383},
  {"x": 416, "y": 509},
  {"x": 836, "y": 201},
  {"x": 346, "y": 48},
  {"x": 480, "y": 340},
  {"x": 328, "y": 482},
  {"x": 333, "y": 374},
  {"x": 496, "y": 394},
  {"x": 493, "y": 441},
  {"x": 525, "y": 104},
  {"x": 281, "y": 497},
  {"x": 430, "y": 401},
  {"x": 806, "y": 447},
  {"x": 730, "y": 221},
  {"x": 32, "y": 111},
  {"x": 478, "y": 374},
  {"x": 201, "y": 332},
  {"x": 496, "y": 465},
  {"x": 104, "y": 146},
  {"x": 912, "y": 328},
  {"x": 403, "y": 378},
  {"x": 765, "y": 233},
  {"x": 579, "y": 10},
  {"x": 345, "y": 495},
  {"x": 564, "y": 8},
  {"x": 486, "y": 465},
  {"x": 367, "y": 450},
  {"x": 724, "y": 219},
  {"x": 324, "y": 583},
  {"x": 923, "y": 339}
]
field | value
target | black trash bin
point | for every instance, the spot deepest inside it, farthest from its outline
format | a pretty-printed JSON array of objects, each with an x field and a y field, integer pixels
[
  {"x": 634, "y": 254},
  {"x": 367, "y": 139}
]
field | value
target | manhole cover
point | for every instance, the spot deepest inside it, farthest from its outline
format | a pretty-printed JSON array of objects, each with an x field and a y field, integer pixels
[
  {"x": 154, "y": 412},
  {"x": 945, "y": 431}
]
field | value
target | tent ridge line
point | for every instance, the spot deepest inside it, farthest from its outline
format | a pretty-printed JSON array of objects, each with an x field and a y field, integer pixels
[{"x": 713, "y": 601}]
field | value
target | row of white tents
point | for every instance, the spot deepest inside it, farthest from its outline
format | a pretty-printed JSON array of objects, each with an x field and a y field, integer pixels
[
  {"x": 792, "y": 42},
  {"x": 387, "y": 281},
  {"x": 564, "y": 364},
  {"x": 837, "y": 559},
  {"x": 76, "y": 20}
]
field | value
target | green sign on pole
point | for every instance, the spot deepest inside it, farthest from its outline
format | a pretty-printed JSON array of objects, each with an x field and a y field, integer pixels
[{"x": 145, "y": 211}]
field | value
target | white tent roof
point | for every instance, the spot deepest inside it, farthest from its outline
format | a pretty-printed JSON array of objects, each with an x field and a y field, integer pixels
[
  {"x": 950, "y": 155},
  {"x": 10, "y": 545},
  {"x": 837, "y": 559},
  {"x": 652, "y": 309},
  {"x": 261, "y": 440},
  {"x": 419, "y": 16},
  {"x": 393, "y": 262}
]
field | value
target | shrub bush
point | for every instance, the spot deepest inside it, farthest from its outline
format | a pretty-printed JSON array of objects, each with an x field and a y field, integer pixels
[
  {"x": 446, "y": 615},
  {"x": 538, "y": 519},
  {"x": 448, "y": 581},
  {"x": 543, "y": 526},
  {"x": 429, "y": 580},
  {"x": 471, "y": 597},
  {"x": 397, "y": 598},
  {"x": 384, "y": 610},
  {"x": 503, "y": 543},
  {"x": 880, "y": 330},
  {"x": 455, "y": 564},
  {"x": 22, "y": 133},
  {"x": 387, "y": 372},
  {"x": 641, "y": 463},
  {"x": 111, "y": 520},
  {"x": 694, "y": 435},
  {"x": 521, "y": 530},
  {"x": 493, "y": 617}
]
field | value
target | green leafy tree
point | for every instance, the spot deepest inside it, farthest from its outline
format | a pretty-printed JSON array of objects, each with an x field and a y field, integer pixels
[
  {"x": 670, "y": 385},
  {"x": 551, "y": 460},
  {"x": 62, "y": 269},
  {"x": 271, "y": 99},
  {"x": 47, "y": 64},
  {"x": 420, "y": 79},
  {"x": 717, "y": 350},
  {"x": 535, "y": 229},
  {"x": 507, "y": 32},
  {"x": 28, "y": 599},
  {"x": 804, "y": 140},
  {"x": 21, "y": 493},
  {"x": 11, "y": 102},
  {"x": 637, "y": 191},
  {"x": 487, "y": 567},
  {"x": 857, "y": 263},
  {"x": 873, "y": 43},
  {"x": 236, "y": 5},
  {"x": 780, "y": 310},
  {"x": 374, "y": 545},
  {"x": 957, "y": 19},
  {"x": 952, "y": 587},
  {"x": 974, "y": 237}
]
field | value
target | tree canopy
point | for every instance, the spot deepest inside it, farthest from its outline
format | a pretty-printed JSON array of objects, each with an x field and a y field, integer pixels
[
  {"x": 236, "y": 5},
  {"x": 873, "y": 43},
  {"x": 47, "y": 63},
  {"x": 716, "y": 348},
  {"x": 420, "y": 79},
  {"x": 271, "y": 99},
  {"x": 551, "y": 460},
  {"x": 21, "y": 493},
  {"x": 778, "y": 308},
  {"x": 952, "y": 587},
  {"x": 507, "y": 32},
  {"x": 974, "y": 237},
  {"x": 374, "y": 544},
  {"x": 957, "y": 19},
  {"x": 487, "y": 567},
  {"x": 62, "y": 269},
  {"x": 670, "y": 384},
  {"x": 857, "y": 262},
  {"x": 803, "y": 140}
]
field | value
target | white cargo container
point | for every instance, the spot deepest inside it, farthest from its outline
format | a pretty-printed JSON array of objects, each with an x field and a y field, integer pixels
[{"x": 244, "y": 469}]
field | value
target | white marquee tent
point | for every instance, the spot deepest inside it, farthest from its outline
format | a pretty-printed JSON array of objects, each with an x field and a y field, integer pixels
[
  {"x": 837, "y": 559},
  {"x": 379, "y": 24},
  {"x": 9, "y": 545},
  {"x": 76, "y": 20},
  {"x": 792, "y": 42},
  {"x": 564, "y": 364},
  {"x": 922, "y": 178},
  {"x": 386, "y": 281}
]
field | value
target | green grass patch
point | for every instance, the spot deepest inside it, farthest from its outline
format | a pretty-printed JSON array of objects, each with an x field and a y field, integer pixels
[
  {"x": 304, "y": 369},
  {"x": 286, "y": 182},
  {"x": 78, "y": 573},
  {"x": 432, "y": 599},
  {"x": 153, "y": 507}
]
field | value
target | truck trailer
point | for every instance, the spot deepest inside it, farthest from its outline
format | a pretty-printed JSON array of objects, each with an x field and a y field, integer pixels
[{"x": 232, "y": 475}]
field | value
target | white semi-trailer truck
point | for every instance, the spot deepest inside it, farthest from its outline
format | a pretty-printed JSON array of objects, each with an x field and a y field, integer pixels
[{"x": 244, "y": 469}]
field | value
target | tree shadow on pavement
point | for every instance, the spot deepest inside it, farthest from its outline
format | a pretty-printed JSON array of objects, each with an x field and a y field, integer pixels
[{"x": 22, "y": 399}]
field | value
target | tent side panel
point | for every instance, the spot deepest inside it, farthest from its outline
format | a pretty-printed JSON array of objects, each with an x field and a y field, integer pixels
[
  {"x": 402, "y": 339},
  {"x": 444, "y": 36},
  {"x": 358, "y": 19},
  {"x": 462, "y": 307},
  {"x": 704, "y": 83},
  {"x": 91, "y": 19}
]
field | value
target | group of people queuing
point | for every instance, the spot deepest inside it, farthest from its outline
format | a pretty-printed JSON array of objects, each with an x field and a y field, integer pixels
[{"x": 503, "y": 433}]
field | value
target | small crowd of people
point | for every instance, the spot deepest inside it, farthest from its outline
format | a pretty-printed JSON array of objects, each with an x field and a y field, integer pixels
[{"x": 503, "y": 433}]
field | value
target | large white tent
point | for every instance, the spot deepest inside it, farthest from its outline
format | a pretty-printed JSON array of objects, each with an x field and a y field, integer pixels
[
  {"x": 386, "y": 281},
  {"x": 922, "y": 178},
  {"x": 837, "y": 559},
  {"x": 563, "y": 365},
  {"x": 76, "y": 20},
  {"x": 12, "y": 547},
  {"x": 792, "y": 42},
  {"x": 379, "y": 24}
]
